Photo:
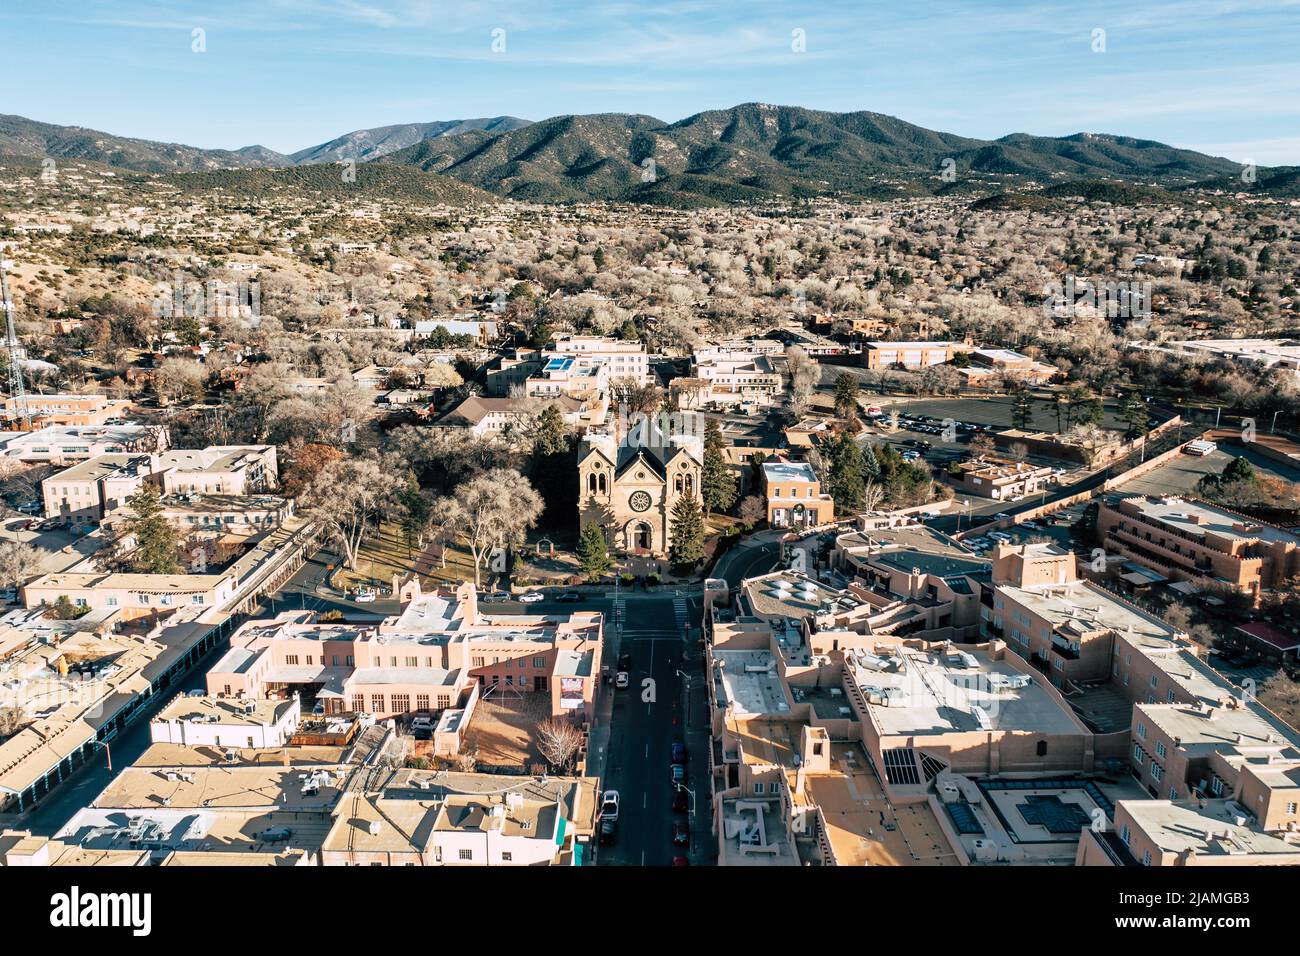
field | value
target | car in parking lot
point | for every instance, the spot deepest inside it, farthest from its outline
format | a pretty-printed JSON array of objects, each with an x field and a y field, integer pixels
[
  {"x": 999, "y": 536},
  {"x": 1030, "y": 525},
  {"x": 276, "y": 834},
  {"x": 422, "y": 728},
  {"x": 49, "y": 524},
  {"x": 532, "y": 597},
  {"x": 364, "y": 596},
  {"x": 609, "y": 804}
]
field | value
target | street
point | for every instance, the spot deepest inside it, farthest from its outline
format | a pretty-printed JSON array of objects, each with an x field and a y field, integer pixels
[{"x": 645, "y": 719}]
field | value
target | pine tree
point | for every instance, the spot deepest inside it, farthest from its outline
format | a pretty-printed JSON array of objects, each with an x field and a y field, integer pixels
[
  {"x": 687, "y": 549},
  {"x": 717, "y": 483},
  {"x": 846, "y": 395},
  {"x": 551, "y": 436},
  {"x": 593, "y": 554},
  {"x": 1022, "y": 413},
  {"x": 847, "y": 485},
  {"x": 156, "y": 540}
]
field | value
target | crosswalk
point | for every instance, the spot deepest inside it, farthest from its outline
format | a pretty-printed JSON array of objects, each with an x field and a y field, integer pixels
[{"x": 681, "y": 610}]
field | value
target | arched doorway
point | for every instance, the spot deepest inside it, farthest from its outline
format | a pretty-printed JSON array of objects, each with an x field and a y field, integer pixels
[{"x": 640, "y": 537}]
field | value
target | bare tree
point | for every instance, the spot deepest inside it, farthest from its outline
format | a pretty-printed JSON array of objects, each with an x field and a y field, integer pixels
[
  {"x": 493, "y": 510},
  {"x": 558, "y": 740},
  {"x": 346, "y": 497},
  {"x": 19, "y": 563}
]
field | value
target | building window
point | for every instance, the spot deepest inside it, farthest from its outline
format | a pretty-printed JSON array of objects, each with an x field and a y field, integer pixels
[
  {"x": 444, "y": 701},
  {"x": 758, "y": 788},
  {"x": 291, "y": 660},
  {"x": 1124, "y": 833},
  {"x": 1146, "y": 858},
  {"x": 358, "y": 703},
  {"x": 1156, "y": 772},
  {"x": 421, "y": 701},
  {"x": 1160, "y": 750},
  {"x": 401, "y": 703},
  {"x": 506, "y": 857},
  {"x": 1290, "y": 808},
  {"x": 1142, "y": 731},
  {"x": 1137, "y": 754},
  {"x": 467, "y": 854},
  {"x": 377, "y": 702}
]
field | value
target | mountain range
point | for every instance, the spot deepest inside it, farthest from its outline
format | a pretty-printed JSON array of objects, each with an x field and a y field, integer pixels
[{"x": 752, "y": 151}]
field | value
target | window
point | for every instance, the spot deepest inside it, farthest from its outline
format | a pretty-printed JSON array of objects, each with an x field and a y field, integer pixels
[
  {"x": 1137, "y": 753},
  {"x": 1173, "y": 793},
  {"x": 467, "y": 854},
  {"x": 1156, "y": 772},
  {"x": 1146, "y": 858},
  {"x": 377, "y": 702},
  {"x": 1290, "y": 808},
  {"x": 291, "y": 660},
  {"x": 758, "y": 788},
  {"x": 506, "y": 857},
  {"x": 1160, "y": 750},
  {"x": 401, "y": 703},
  {"x": 358, "y": 703},
  {"x": 421, "y": 701},
  {"x": 1142, "y": 731},
  {"x": 444, "y": 701},
  {"x": 412, "y": 662},
  {"x": 1124, "y": 833},
  {"x": 539, "y": 661}
]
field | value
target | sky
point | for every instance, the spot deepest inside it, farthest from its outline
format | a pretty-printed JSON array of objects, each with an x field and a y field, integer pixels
[{"x": 1219, "y": 76}]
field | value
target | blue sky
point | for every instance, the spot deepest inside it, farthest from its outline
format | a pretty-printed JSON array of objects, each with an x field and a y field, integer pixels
[{"x": 1222, "y": 76}]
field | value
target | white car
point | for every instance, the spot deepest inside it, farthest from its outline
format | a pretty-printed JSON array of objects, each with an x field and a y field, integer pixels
[
  {"x": 532, "y": 597},
  {"x": 364, "y": 597},
  {"x": 609, "y": 805},
  {"x": 621, "y": 680}
]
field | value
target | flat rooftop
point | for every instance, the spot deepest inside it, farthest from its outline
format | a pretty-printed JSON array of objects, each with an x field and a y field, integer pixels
[
  {"x": 749, "y": 682},
  {"x": 1079, "y": 608},
  {"x": 247, "y": 713},
  {"x": 1206, "y": 828},
  {"x": 1196, "y": 518},
  {"x": 941, "y": 693}
]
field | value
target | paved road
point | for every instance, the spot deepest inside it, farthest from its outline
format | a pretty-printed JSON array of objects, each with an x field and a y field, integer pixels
[{"x": 648, "y": 716}]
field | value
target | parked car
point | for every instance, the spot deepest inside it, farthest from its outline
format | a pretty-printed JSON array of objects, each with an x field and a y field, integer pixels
[
  {"x": 609, "y": 804},
  {"x": 49, "y": 524},
  {"x": 276, "y": 834},
  {"x": 608, "y": 831},
  {"x": 681, "y": 833},
  {"x": 621, "y": 680},
  {"x": 681, "y": 801},
  {"x": 679, "y": 752},
  {"x": 365, "y": 596},
  {"x": 422, "y": 728},
  {"x": 532, "y": 597},
  {"x": 625, "y": 662},
  {"x": 678, "y": 774},
  {"x": 29, "y": 507},
  {"x": 568, "y": 597},
  {"x": 495, "y": 597}
]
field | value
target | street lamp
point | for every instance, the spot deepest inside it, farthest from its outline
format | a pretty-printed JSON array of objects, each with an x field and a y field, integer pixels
[{"x": 687, "y": 679}]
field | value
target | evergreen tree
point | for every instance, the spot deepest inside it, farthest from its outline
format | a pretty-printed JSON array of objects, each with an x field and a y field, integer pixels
[
  {"x": 551, "y": 436},
  {"x": 846, "y": 395},
  {"x": 717, "y": 483},
  {"x": 415, "y": 512},
  {"x": 593, "y": 554},
  {"x": 846, "y": 484},
  {"x": 156, "y": 539},
  {"x": 687, "y": 549},
  {"x": 870, "y": 464},
  {"x": 1022, "y": 412},
  {"x": 1133, "y": 412}
]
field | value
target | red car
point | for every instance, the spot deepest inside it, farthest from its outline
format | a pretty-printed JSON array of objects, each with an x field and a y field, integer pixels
[{"x": 681, "y": 861}]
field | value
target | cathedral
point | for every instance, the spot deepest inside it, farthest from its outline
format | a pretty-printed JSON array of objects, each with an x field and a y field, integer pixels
[{"x": 629, "y": 489}]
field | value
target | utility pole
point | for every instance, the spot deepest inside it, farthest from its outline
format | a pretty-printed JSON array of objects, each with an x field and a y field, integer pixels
[{"x": 16, "y": 353}]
